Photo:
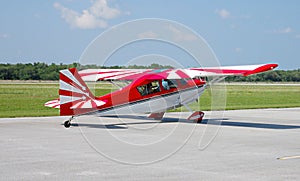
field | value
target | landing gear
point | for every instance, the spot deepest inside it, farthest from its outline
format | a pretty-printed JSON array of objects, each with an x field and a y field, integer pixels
[
  {"x": 197, "y": 116},
  {"x": 157, "y": 116},
  {"x": 67, "y": 123}
]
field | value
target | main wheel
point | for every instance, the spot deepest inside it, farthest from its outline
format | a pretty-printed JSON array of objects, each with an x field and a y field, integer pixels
[{"x": 67, "y": 124}]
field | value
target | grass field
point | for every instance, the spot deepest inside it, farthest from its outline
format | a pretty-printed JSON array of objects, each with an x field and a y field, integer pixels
[
  {"x": 27, "y": 99},
  {"x": 257, "y": 96}
]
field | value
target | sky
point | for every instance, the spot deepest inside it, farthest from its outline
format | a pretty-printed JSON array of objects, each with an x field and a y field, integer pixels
[{"x": 239, "y": 32}]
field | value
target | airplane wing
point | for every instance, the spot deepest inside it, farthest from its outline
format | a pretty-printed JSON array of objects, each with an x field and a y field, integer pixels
[
  {"x": 243, "y": 70},
  {"x": 155, "y": 74},
  {"x": 133, "y": 74}
]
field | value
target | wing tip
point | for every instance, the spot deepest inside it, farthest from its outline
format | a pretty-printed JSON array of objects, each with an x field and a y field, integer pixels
[{"x": 263, "y": 68}]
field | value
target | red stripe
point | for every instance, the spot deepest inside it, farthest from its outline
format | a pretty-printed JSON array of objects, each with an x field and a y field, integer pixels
[
  {"x": 70, "y": 82},
  {"x": 79, "y": 105},
  {"x": 115, "y": 75},
  {"x": 134, "y": 76},
  {"x": 221, "y": 71},
  {"x": 93, "y": 73},
  {"x": 94, "y": 105},
  {"x": 69, "y": 93},
  {"x": 77, "y": 77},
  {"x": 72, "y": 103},
  {"x": 262, "y": 69},
  {"x": 182, "y": 74}
]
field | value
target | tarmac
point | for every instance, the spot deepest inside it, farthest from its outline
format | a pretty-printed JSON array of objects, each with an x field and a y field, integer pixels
[{"x": 259, "y": 144}]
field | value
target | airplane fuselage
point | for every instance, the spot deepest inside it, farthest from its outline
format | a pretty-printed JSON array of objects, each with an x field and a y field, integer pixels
[{"x": 150, "y": 96}]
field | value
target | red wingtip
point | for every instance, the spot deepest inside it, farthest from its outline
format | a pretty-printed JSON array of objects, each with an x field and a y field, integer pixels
[{"x": 263, "y": 68}]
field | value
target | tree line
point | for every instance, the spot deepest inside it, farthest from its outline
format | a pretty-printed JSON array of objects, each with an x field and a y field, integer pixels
[
  {"x": 43, "y": 71},
  {"x": 271, "y": 76}
]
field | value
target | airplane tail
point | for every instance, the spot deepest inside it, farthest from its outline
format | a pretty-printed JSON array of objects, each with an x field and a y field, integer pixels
[{"x": 74, "y": 95}]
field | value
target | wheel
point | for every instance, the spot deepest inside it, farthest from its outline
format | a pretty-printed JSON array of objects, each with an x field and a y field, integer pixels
[
  {"x": 67, "y": 124},
  {"x": 197, "y": 116},
  {"x": 198, "y": 121}
]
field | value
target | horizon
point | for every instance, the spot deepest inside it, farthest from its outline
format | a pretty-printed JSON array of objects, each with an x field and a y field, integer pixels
[{"x": 115, "y": 65}]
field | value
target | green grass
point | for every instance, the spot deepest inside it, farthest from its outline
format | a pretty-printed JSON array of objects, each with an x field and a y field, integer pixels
[
  {"x": 256, "y": 96},
  {"x": 270, "y": 96},
  {"x": 24, "y": 99},
  {"x": 19, "y": 100}
]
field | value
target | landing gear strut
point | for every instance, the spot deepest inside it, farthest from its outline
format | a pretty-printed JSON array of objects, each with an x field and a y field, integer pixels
[
  {"x": 197, "y": 116},
  {"x": 67, "y": 123}
]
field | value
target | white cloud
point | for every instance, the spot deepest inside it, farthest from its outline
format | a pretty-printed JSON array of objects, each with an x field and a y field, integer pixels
[
  {"x": 4, "y": 36},
  {"x": 181, "y": 36},
  {"x": 147, "y": 34},
  {"x": 237, "y": 50},
  {"x": 93, "y": 17},
  {"x": 223, "y": 13},
  {"x": 284, "y": 30},
  {"x": 101, "y": 9}
]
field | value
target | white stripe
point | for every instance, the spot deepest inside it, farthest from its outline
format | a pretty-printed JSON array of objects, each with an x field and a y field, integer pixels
[
  {"x": 96, "y": 71},
  {"x": 106, "y": 74},
  {"x": 65, "y": 86},
  {"x": 195, "y": 73},
  {"x": 67, "y": 99},
  {"x": 124, "y": 75},
  {"x": 71, "y": 76},
  {"x": 103, "y": 75},
  {"x": 90, "y": 78},
  {"x": 99, "y": 103},
  {"x": 76, "y": 105},
  {"x": 50, "y": 102},
  {"x": 116, "y": 75},
  {"x": 240, "y": 67},
  {"x": 51, "y": 105},
  {"x": 195, "y": 117},
  {"x": 173, "y": 75},
  {"x": 87, "y": 104}
]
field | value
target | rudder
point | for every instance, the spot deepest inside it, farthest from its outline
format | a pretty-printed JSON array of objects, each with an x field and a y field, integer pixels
[{"x": 74, "y": 95}]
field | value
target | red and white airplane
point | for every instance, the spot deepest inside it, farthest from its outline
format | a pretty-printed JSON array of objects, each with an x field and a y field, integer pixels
[{"x": 151, "y": 91}]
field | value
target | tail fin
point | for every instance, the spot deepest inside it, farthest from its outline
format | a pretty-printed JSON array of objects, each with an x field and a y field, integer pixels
[{"x": 74, "y": 95}]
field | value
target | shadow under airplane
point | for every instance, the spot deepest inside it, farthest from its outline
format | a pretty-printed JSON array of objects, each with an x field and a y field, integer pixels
[
  {"x": 254, "y": 125},
  {"x": 165, "y": 120}
]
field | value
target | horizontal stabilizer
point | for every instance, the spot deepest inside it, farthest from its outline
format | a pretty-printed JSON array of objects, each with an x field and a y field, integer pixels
[{"x": 54, "y": 103}]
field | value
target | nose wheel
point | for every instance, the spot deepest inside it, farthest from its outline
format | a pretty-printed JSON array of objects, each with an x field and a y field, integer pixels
[{"x": 67, "y": 123}]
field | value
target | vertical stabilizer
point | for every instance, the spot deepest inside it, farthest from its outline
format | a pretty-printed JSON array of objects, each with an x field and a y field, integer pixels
[{"x": 74, "y": 95}]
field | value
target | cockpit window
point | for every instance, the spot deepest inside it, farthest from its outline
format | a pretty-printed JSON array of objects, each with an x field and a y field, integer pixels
[
  {"x": 149, "y": 88},
  {"x": 169, "y": 83},
  {"x": 183, "y": 81}
]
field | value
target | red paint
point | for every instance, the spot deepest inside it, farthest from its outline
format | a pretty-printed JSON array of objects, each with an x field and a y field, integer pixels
[
  {"x": 125, "y": 95},
  {"x": 196, "y": 116},
  {"x": 130, "y": 93}
]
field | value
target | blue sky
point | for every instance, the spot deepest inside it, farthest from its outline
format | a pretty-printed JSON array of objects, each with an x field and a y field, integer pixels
[{"x": 239, "y": 32}]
